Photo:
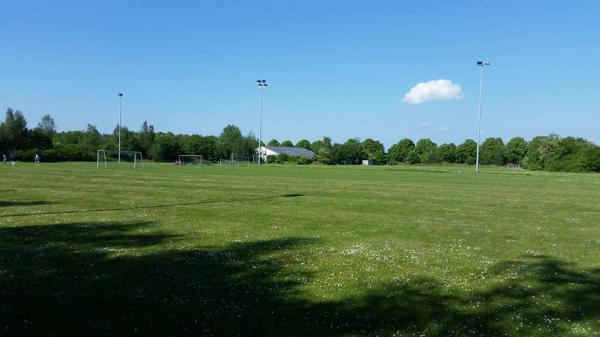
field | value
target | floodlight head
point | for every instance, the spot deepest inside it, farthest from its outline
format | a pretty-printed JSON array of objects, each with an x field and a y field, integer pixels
[
  {"x": 483, "y": 63},
  {"x": 120, "y": 94},
  {"x": 262, "y": 83}
]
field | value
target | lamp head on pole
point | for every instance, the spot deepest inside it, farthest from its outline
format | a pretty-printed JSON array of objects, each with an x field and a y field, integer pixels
[
  {"x": 262, "y": 83},
  {"x": 483, "y": 63},
  {"x": 120, "y": 94}
]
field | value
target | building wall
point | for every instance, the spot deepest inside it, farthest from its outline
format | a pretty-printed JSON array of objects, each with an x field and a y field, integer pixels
[
  {"x": 265, "y": 152},
  {"x": 268, "y": 152}
]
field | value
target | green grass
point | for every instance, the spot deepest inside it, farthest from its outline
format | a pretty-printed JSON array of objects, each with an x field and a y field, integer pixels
[{"x": 298, "y": 251}]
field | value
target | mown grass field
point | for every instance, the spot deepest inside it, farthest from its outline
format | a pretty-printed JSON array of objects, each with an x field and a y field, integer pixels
[{"x": 297, "y": 251}]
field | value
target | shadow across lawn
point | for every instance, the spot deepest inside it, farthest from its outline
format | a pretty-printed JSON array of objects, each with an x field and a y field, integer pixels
[
  {"x": 127, "y": 279},
  {"x": 156, "y": 206},
  {"x": 12, "y": 203}
]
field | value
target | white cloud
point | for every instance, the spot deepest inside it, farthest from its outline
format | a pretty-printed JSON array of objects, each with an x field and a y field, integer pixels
[
  {"x": 432, "y": 91},
  {"x": 442, "y": 129}
]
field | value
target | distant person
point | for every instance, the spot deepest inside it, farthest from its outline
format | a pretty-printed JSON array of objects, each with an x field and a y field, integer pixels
[
  {"x": 38, "y": 159},
  {"x": 12, "y": 159},
  {"x": 4, "y": 158}
]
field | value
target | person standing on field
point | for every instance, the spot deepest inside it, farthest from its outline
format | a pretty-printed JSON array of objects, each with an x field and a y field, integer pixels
[
  {"x": 37, "y": 159},
  {"x": 12, "y": 159},
  {"x": 4, "y": 158}
]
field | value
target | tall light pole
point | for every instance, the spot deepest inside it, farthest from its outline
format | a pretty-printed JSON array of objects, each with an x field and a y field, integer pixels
[
  {"x": 262, "y": 84},
  {"x": 481, "y": 64},
  {"x": 120, "y": 99}
]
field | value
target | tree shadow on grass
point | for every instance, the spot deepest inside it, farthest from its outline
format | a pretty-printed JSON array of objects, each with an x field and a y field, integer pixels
[
  {"x": 12, "y": 203},
  {"x": 127, "y": 279},
  {"x": 292, "y": 195},
  {"x": 534, "y": 296},
  {"x": 142, "y": 207}
]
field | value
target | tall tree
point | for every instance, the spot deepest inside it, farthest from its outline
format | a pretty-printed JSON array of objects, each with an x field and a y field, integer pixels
[
  {"x": 413, "y": 157},
  {"x": 165, "y": 147},
  {"x": 399, "y": 152},
  {"x": 129, "y": 140},
  {"x": 146, "y": 138},
  {"x": 251, "y": 144},
  {"x": 303, "y": 143},
  {"x": 47, "y": 125},
  {"x": 516, "y": 149},
  {"x": 492, "y": 151},
  {"x": 590, "y": 158},
  {"x": 41, "y": 137},
  {"x": 427, "y": 151},
  {"x": 92, "y": 138},
  {"x": 569, "y": 155},
  {"x": 348, "y": 153},
  {"x": 20, "y": 130},
  {"x": 447, "y": 153},
  {"x": 231, "y": 142},
  {"x": 273, "y": 142},
  {"x": 323, "y": 143},
  {"x": 467, "y": 152},
  {"x": 287, "y": 143},
  {"x": 373, "y": 150},
  {"x": 323, "y": 151},
  {"x": 541, "y": 151},
  {"x": 14, "y": 130}
]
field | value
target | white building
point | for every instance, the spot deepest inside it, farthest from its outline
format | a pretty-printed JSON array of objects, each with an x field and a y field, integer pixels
[{"x": 266, "y": 151}]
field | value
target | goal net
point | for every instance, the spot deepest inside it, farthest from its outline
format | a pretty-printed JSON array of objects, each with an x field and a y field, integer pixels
[
  {"x": 239, "y": 160},
  {"x": 114, "y": 158},
  {"x": 192, "y": 159}
]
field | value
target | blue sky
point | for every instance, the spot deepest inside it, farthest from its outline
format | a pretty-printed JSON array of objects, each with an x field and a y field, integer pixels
[{"x": 335, "y": 68}]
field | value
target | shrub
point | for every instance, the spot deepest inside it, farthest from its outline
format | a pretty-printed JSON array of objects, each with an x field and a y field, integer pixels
[
  {"x": 282, "y": 158},
  {"x": 303, "y": 160}
]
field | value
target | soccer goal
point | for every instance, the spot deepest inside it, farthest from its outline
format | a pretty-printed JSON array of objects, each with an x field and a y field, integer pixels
[
  {"x": 119, "y": 158},
  {"x": 192, "y": 159},
  {"x": 239, "y": 160}
]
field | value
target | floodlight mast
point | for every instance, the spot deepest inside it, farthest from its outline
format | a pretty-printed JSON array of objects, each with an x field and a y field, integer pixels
[
  {"x": 120, "y": 105},
  {"x": 262, "y": 84},
  {"x": 481, "y": 64}
]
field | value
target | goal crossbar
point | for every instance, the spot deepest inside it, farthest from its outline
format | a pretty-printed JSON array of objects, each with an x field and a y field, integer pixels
[
  {"x": 237, "y": 160},
  {"x": 138, "y": 161},
  {"x": 192, "y": 159}
]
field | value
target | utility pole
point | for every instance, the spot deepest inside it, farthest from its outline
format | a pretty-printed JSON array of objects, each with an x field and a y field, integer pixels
[
  {"x": 481, "y": 64},
  {"x": 262, "y": 84},
  {"x": 120, "y": 106}
]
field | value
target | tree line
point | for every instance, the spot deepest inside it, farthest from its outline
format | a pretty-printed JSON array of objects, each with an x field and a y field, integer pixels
[{"x": 552, "y": 153}]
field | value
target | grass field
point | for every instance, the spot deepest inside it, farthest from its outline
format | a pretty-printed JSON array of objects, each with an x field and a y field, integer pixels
[{"x": 298, "y": 251}]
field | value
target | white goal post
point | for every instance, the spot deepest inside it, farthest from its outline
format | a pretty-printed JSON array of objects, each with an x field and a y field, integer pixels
[
  {"x": 239, "y": 160},
  {"x": 194, "y": 159},
  {"x": 112, "y": 156}
]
